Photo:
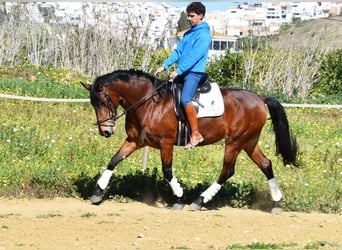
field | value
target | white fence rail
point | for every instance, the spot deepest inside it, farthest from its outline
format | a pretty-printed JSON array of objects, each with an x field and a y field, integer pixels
[
  {"x": 331, "y": 106},
  {"x": 39, "y": 99}
]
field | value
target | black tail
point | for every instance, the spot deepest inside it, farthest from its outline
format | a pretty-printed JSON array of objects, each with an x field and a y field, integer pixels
[{"x": 286, "y": 143}]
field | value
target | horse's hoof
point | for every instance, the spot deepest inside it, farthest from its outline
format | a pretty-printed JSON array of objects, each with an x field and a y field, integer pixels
[
  {"x": 196, "y": 205},
  {"x": 97, "y": 197},
  {"x": 96, "y": 200},
  {"x": 276, "y": 208},
  {"x": 178, "y": 206}
]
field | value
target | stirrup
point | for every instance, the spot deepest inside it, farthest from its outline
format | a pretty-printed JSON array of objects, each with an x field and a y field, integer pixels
[{"x": 192, "y": 144}]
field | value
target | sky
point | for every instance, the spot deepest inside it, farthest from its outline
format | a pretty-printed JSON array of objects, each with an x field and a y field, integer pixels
[{"x": 210, "y": 6}]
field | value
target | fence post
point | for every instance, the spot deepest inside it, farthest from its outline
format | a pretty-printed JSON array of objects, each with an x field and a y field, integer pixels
[{"x": 144, "y": 159}]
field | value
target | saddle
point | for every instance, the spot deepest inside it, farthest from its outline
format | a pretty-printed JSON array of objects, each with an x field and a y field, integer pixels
[{"x": 205, "y": 88}]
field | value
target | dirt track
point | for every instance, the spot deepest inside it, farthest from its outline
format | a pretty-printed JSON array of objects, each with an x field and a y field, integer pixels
[{"x": 75, "y": 224}]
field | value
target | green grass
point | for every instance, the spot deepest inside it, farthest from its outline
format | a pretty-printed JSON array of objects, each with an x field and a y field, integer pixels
[
  {"x": 258, "y": 245},
  {"x": 36, "y": 81},
  {"x": 53, "y": 149},
  {"x": 48, "y": 216},
  {"x": 88, "y": 215},
  {"x": 50, "y": 89},
  {"x": 8, "y": 215},
  {"x": 286, "y": 245}
]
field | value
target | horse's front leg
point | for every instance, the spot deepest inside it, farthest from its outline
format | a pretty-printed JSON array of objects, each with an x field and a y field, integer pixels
[
  {"x": 166, "y": 152},
  {"x": 125, "y": 150}
]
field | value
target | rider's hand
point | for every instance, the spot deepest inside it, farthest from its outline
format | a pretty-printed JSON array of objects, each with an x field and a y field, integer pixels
[
  {"x": 159, "y": 70},
  {"x": 173, "y": 75}
]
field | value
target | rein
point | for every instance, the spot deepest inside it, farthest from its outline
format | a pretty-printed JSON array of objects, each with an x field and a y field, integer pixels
[{"x": 115, "y": 117}]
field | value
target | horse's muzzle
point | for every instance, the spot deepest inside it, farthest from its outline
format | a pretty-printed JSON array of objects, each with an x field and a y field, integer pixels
[{"x": 106, "y": 130}]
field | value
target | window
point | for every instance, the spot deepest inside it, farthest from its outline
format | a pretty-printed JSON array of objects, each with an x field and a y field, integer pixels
[
  {"x": 216, "y": 45},
  {"x": 223, "y": 45}
]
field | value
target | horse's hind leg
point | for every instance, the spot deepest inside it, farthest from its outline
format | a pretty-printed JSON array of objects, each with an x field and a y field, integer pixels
[
  {"x": 231, "y": 152},
  {"x": 265, "y": 165}
]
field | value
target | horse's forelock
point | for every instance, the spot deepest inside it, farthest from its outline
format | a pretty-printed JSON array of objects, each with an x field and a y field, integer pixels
[{"x": 94, "y": 96}]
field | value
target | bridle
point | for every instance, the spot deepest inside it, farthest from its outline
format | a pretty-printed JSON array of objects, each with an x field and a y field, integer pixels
[{"x": 113, "y": 117}]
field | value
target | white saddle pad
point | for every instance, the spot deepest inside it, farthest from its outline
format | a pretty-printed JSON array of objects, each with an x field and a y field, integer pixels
[{"x": 211, "y": 103}]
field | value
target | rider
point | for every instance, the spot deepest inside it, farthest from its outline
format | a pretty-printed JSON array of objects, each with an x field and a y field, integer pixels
[{"x": 191, "y": 55}]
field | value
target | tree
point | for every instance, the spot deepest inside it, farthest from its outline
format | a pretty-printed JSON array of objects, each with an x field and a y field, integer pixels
[{"x": 183, "y": 23}]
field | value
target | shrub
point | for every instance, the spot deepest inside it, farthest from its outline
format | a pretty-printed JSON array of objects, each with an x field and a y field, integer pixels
[
  {"x": 329, "y": 76},
  {"x": 227, "y": 70}
]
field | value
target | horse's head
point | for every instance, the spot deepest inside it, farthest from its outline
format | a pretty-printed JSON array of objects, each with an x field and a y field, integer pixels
[
  {"x": 127, "y": 88},
  {"x": 105, "y": 107}
]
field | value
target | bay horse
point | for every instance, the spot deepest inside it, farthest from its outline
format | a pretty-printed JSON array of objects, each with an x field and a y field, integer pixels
[{"x": 154, "y": 123}]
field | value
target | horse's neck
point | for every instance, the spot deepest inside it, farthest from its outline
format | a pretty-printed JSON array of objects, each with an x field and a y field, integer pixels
[{"x": 133, "y": 92}]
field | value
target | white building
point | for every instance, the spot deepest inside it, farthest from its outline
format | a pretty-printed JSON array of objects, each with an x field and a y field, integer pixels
[
  {"x": 161, "y": 19},
  {"x": 219, "y": 43},
  {"x": 267, "y": 17}
]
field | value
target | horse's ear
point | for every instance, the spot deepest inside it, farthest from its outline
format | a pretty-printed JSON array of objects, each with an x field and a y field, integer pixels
[{"x": 86, "y": 85}]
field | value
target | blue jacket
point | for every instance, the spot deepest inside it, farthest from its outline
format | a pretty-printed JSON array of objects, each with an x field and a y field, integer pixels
[{"x": 192, "y": 50}]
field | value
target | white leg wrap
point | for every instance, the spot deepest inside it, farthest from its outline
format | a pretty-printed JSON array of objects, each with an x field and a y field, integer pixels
[
  {"x": 176, "y": 188},
  {"x": 211, "y": 192},
  {"x": 104, "y": 179},
  {"x": 275, "y": 191}
]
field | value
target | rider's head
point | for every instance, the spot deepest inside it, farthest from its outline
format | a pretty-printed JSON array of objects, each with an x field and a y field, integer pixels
[
  {"x": 196, "y": 7},
  {"x": 195, "y": 12}
]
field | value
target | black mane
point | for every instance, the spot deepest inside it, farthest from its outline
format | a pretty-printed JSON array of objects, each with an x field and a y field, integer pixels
[{"x": 123, "y": 75}]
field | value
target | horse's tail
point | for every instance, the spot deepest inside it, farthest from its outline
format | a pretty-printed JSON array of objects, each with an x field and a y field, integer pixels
[{"x": 286, "y": 143}]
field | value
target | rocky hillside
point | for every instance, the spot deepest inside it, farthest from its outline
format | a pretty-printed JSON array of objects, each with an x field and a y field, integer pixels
[{"x": 328, "y": 30}]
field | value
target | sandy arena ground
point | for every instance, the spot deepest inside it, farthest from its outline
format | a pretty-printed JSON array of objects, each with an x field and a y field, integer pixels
[{"x": 69, "y": 223}]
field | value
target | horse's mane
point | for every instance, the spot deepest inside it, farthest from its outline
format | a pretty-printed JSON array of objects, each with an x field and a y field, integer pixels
[{"x": 123, "y": 75}]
